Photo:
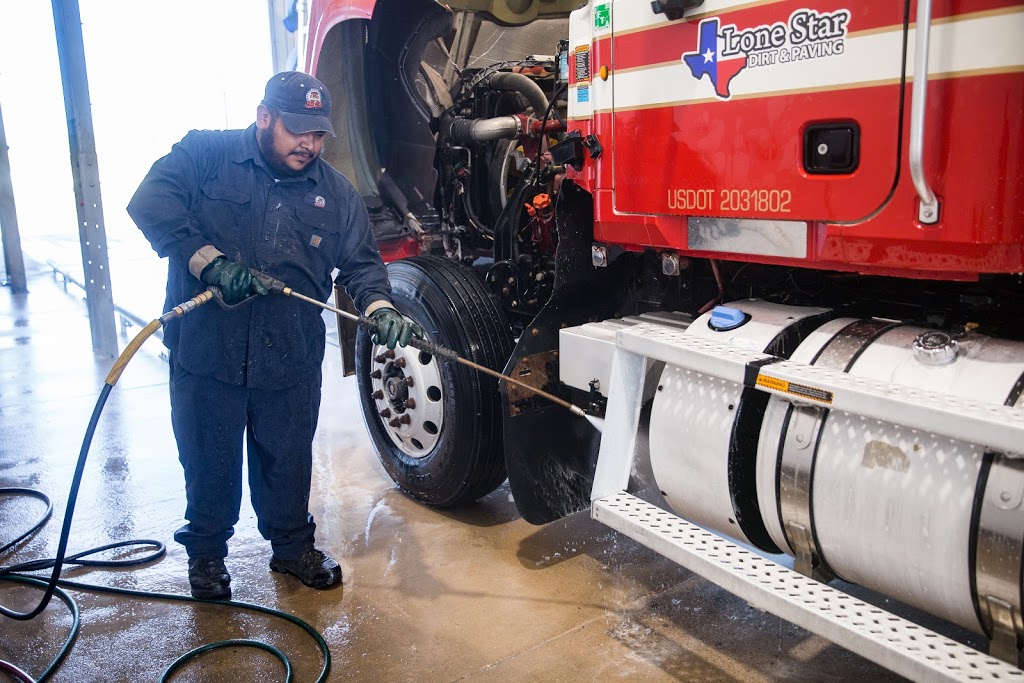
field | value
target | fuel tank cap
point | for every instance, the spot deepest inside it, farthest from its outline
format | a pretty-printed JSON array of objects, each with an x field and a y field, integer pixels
[
  {"x": 724, "y": 318},
  {"x": 935, "y": 348}
]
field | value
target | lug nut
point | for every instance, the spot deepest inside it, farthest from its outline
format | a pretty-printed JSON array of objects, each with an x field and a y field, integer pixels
[
  {"x": 386, "y": 413},
  {"x": 379, "y": 358},
  {"x": 400, "y": 362},
  {"x": 376, "y": 374},
  {"x": 395, "y": 422},
  {"x": 410, "y": 403},
  {"x": 405, "y": 419},
  {"x": 408, "y": 381},
  {"x": 378, "y": 395},
  {"x": 390, "y": 353}
]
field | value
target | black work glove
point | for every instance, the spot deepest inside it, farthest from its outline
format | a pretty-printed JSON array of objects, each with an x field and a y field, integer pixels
[
  {"x": 393, "y": 328},
  {"x": 233, "y": 279}
]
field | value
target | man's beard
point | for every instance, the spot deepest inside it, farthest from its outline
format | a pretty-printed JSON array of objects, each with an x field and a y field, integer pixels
[{"x": 274, "y": 160}]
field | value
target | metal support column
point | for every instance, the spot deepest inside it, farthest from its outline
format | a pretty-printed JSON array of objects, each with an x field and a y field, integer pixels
[
  {"x": 14, "y": 263},
  {"x": 283, "y": 43},
  {"x": 67, "y": 21}
]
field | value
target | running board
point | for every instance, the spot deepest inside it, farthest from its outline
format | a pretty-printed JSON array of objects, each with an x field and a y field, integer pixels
[{"x": 890, "y": 641}]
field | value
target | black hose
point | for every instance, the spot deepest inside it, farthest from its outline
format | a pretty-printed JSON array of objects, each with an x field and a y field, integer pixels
[
  {"x": 76, "y": 625},
  {"x": 65, "y": 530},
  {"x": 554, "y": 106},
  {"x": 321, "y": 643},
  {"x": 505, "y": 226},
  {"x": 50, "y": 586},
  {"x": 544, "y": 121},
  {"x": 235, "y": 642},
  {"x": 42, "y": 520},
  {"x": 159, "y": 550},
  {"x": 472, "y": 217}
]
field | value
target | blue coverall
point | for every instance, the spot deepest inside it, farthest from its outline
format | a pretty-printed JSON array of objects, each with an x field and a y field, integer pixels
[{"x": 254, "y": 370}]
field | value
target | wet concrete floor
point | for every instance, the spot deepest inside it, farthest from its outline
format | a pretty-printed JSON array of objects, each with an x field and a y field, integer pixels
[{"x": 474, "y": 594}]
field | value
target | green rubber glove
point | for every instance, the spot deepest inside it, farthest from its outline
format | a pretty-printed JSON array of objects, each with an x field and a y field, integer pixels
[
  {"x": 393, "y": 328},
  {"x": 233, "y": 279}
]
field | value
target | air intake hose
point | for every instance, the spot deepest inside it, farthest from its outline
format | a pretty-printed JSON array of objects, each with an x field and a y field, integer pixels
[
  {"x": 526, "y": 86},
  {"x": 464, "y": 131}
]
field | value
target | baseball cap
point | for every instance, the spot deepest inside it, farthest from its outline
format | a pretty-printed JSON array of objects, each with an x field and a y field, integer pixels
[{"x": 303, "y": 102}]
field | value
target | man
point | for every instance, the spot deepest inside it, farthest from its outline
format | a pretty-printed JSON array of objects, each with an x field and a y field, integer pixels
[{"x": 222, "y": 203}]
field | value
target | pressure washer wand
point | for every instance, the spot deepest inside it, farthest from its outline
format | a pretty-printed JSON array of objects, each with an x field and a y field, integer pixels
[
  {"x": 421, "y": 344},
  {"x": 133, "y": 346}
]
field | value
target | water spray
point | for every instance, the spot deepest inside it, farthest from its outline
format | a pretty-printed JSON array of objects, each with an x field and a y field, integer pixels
[{"x": 433, "y": 349}]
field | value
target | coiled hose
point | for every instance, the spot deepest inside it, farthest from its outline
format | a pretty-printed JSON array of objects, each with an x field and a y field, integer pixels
[{"x": 51, "y": 586}]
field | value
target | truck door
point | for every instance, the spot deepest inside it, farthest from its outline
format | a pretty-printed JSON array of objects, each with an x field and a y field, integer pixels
[{"x": 785, "y": 110}]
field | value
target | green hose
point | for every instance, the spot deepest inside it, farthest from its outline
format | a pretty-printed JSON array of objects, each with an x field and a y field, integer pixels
[
  {"x": 76, "y": 620},
  {"x": 238, "y": 642},
  {"x": 195, "y": 652},
  {"x": 50, "y": 587}
]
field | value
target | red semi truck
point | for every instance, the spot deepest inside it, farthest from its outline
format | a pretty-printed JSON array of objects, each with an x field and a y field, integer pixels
[{"x": 776, "y": 246}]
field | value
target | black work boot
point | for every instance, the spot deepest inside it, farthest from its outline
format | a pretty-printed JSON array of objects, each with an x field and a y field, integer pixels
[
  {"x": 314, "y": 569},
  {"x": 209, "y": 578}
]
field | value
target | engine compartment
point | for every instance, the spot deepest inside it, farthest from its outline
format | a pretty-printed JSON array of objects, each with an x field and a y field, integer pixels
[{"x": 449, "y": 120}]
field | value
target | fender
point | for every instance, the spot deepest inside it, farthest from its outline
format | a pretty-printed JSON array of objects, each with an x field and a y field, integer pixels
[{"x": 551, "y": 454}]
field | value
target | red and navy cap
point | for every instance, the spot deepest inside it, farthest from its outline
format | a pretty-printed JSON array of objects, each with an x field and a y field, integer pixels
[{"x": 303, "y": 102}]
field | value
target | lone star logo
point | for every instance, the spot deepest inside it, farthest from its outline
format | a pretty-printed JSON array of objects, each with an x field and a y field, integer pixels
[{"x": 706, "y": 60}]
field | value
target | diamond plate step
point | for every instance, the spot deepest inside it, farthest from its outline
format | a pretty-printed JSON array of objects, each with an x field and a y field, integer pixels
[{"x": 890, "y": 641}]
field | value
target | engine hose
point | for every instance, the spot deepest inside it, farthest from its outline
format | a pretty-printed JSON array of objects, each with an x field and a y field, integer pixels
[
  {"x": 51, "y": 587},
  {"x": 526, "y": 86},
  {"x": 472, "y": 217},
  {"x": 553, "y": 107},
  {"x": 464, "y": 132}
]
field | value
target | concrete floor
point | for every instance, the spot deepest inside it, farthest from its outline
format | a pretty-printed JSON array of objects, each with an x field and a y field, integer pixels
[{"x": 475, "y": 594}]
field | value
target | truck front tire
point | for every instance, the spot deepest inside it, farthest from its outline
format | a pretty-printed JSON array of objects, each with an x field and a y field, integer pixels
[{"x": 436, "y": 425}]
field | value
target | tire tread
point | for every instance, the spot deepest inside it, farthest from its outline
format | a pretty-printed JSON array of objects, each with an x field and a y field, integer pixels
[{"x": 482, "y": 333}]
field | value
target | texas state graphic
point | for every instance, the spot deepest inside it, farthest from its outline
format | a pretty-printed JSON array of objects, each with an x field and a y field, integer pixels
[{"x": 707, "y": 60}]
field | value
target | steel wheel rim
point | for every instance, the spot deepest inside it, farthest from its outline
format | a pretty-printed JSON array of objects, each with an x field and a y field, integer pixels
[{"x": 402, "y": 375}]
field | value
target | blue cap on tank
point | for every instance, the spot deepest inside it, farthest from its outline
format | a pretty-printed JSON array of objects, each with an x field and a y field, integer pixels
[{"x": 725, "y": 318}]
